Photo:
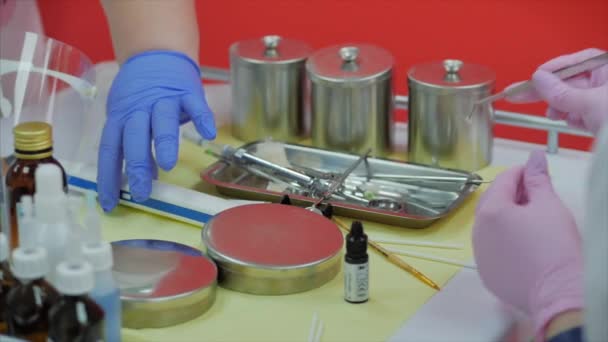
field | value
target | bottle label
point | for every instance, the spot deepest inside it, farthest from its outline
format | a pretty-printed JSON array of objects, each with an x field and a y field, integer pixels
[{"x": 356, "y": 282}]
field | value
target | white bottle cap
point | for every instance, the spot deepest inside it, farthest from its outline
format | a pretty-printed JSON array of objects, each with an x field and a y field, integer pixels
[
  {"x": 74, "y": 278},
  {"x": 99, "y": 255},
  {"x": 29, "y": 263},
  {"x": 50, "y": 200},
  {"x": 3, "y": 248}
]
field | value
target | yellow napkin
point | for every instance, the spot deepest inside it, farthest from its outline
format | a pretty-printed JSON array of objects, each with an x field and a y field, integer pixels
[{"x": 395, "y": 295}]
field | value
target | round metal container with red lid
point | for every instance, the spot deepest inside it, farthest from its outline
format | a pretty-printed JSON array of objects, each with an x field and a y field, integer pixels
[
  {"x": 162, "y": 283},
  {"x": 273, "y": 249}
]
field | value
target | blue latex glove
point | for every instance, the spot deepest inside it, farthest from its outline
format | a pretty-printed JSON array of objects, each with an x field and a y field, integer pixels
[{"x": 152, "y": 94}]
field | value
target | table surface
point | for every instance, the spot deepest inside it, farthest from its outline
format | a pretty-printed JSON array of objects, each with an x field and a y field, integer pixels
[{"x": 464, "y": 310}]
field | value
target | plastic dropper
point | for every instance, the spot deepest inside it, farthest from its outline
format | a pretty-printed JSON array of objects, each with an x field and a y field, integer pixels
[
  {"x": 99, "y": 254},
  {"x": 92, "y": 221},
  {"x": 27, "y": 224},
  {"x": 73, "y": 251}
]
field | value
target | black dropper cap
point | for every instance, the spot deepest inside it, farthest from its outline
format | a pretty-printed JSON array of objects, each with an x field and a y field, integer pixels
[
  {"x": 356, "y": 244},
  {"x": 286, "y": 200},
  {"x": 328, "y": 211}
]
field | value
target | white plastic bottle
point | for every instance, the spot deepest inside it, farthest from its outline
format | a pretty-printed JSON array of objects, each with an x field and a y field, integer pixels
[
  {"x": 52, "y": 215},
  {"x": 99, "y": 254}
]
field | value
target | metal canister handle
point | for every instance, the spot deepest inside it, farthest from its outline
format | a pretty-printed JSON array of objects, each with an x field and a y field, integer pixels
[
  {"x": 271, "y": 42},
  {"x": 452, "y": 67},
  {"x": 349, "y": 55}
]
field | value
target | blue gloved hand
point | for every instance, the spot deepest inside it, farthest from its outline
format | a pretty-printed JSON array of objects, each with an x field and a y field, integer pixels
[{"x": 153, "y": 93}]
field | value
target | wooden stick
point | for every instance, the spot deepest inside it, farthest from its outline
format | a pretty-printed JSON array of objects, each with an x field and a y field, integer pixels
[
  {"x": 395, "y": 259},
  {"x": 419, "y": 243},
  {"x": 432, "y": 258}
]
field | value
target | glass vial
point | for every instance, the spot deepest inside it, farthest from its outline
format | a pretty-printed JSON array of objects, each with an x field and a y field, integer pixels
[
  {"x": 356, "y": 265},
  {"x": 28, "y": 303},
  {"x": 75, "y": 316},
  {"x": 33, "y": 147}
]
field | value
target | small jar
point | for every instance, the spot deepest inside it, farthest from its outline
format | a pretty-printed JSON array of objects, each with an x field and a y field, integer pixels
[
  {"x": 352, "y": 98},
  {"x": 268, "y": 88},
  {"x": 442, "y": 94},
  {"x": 33, "y": 147}
]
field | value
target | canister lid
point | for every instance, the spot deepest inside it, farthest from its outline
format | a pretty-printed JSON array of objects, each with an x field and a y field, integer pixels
[
  {"x": 273, "y": 249},
  {"x": 350, "y": 63},
  {"x": 271, "y": 49},
  {"x": 162, "y": 283},
  {"x": 272, "y": 235},
  {"x": 451, "y": 73}
]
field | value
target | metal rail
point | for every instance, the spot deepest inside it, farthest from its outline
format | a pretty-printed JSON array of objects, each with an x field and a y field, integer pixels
[{"x": 554, "y": 128}]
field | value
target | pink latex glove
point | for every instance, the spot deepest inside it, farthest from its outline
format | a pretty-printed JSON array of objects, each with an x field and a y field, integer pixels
[
  {"x": 582, "y": 100},
  {"x": 527, "y": 246}
]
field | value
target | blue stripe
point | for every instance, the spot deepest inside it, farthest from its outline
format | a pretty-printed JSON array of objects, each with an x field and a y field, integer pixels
[{"x": 150, "y": 203}]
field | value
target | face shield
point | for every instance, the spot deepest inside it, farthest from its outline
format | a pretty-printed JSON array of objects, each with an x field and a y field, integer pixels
[{"x": 42, "y": 79}]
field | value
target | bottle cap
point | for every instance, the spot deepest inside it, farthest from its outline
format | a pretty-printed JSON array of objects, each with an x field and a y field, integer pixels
[
  {"x": 50, "y": 200},
  {"x": 33, "y": 140},
  {"x": 99, "y": 255},
  {"x": 3, "y": 248},
  {"x": 29, "y": 263},
  {"x": 74, "y": 278},
  {"x": 356, "y": 240}
]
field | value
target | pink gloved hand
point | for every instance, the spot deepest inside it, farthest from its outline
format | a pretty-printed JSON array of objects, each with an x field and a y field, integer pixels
[
  {"x": 582, "y": 100},
  {"x": 527, "y": 246}
]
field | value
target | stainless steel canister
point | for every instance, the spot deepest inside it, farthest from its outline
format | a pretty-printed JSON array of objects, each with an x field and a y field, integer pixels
[
  {"x": 441, "y": 95},
  {"x": 268, "y": 88},
  {"x": 352, "y": 98}
]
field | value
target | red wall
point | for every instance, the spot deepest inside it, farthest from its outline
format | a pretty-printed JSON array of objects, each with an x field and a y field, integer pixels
[{"x": 510, "y": 36}]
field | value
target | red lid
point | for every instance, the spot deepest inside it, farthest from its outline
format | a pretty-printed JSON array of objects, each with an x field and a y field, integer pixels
[{"x": 273, "y": 235}]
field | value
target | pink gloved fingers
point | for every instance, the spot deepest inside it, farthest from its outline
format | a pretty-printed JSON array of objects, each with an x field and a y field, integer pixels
[
  {"x": 554, "y": 114},
  {"x": 599, "y": 77},
  {"x": 575, "y": 120},
  {"x": 559, "y": 94},
  {"x": 503, "y": 191},
  {"x": 567, "y": 60},
  {"x": 536, "y": 181}
]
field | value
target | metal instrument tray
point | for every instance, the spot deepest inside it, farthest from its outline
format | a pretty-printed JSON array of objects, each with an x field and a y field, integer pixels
[{"x": 422, "y": 201}]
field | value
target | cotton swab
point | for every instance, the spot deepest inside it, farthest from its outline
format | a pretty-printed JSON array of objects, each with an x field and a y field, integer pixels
[
  {"x": 432, "y": 258},
  {"x": 420, "y": 243},
  {"x": 319, "y": 332},
  {"x": 313, "y": 328}
]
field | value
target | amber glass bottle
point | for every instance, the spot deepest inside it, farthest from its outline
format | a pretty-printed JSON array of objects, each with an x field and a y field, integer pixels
[
  {"x": 75, "y": 316},
  {"x": 7, "y": 281},
  {"x": 29, "y": 302},
  {"x": 33, "y": 146}
]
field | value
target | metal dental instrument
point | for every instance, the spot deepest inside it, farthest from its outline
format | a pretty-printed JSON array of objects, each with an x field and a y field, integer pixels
[
  {"x": 327, "y": 194},
  {"x": 563, "y": 73},
  {"x": 456, "y": 179},
  {"x": 229, "y": 153}
]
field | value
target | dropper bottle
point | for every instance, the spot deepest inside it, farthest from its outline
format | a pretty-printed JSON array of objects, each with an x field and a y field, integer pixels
[
  {"x": 29, "y": 301},
  {"x": 99, "y": 254},
  {"x": 75, "y": 316},
  {"x": 356, "y": 265},
  {"x": 52, "y": 214}
]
